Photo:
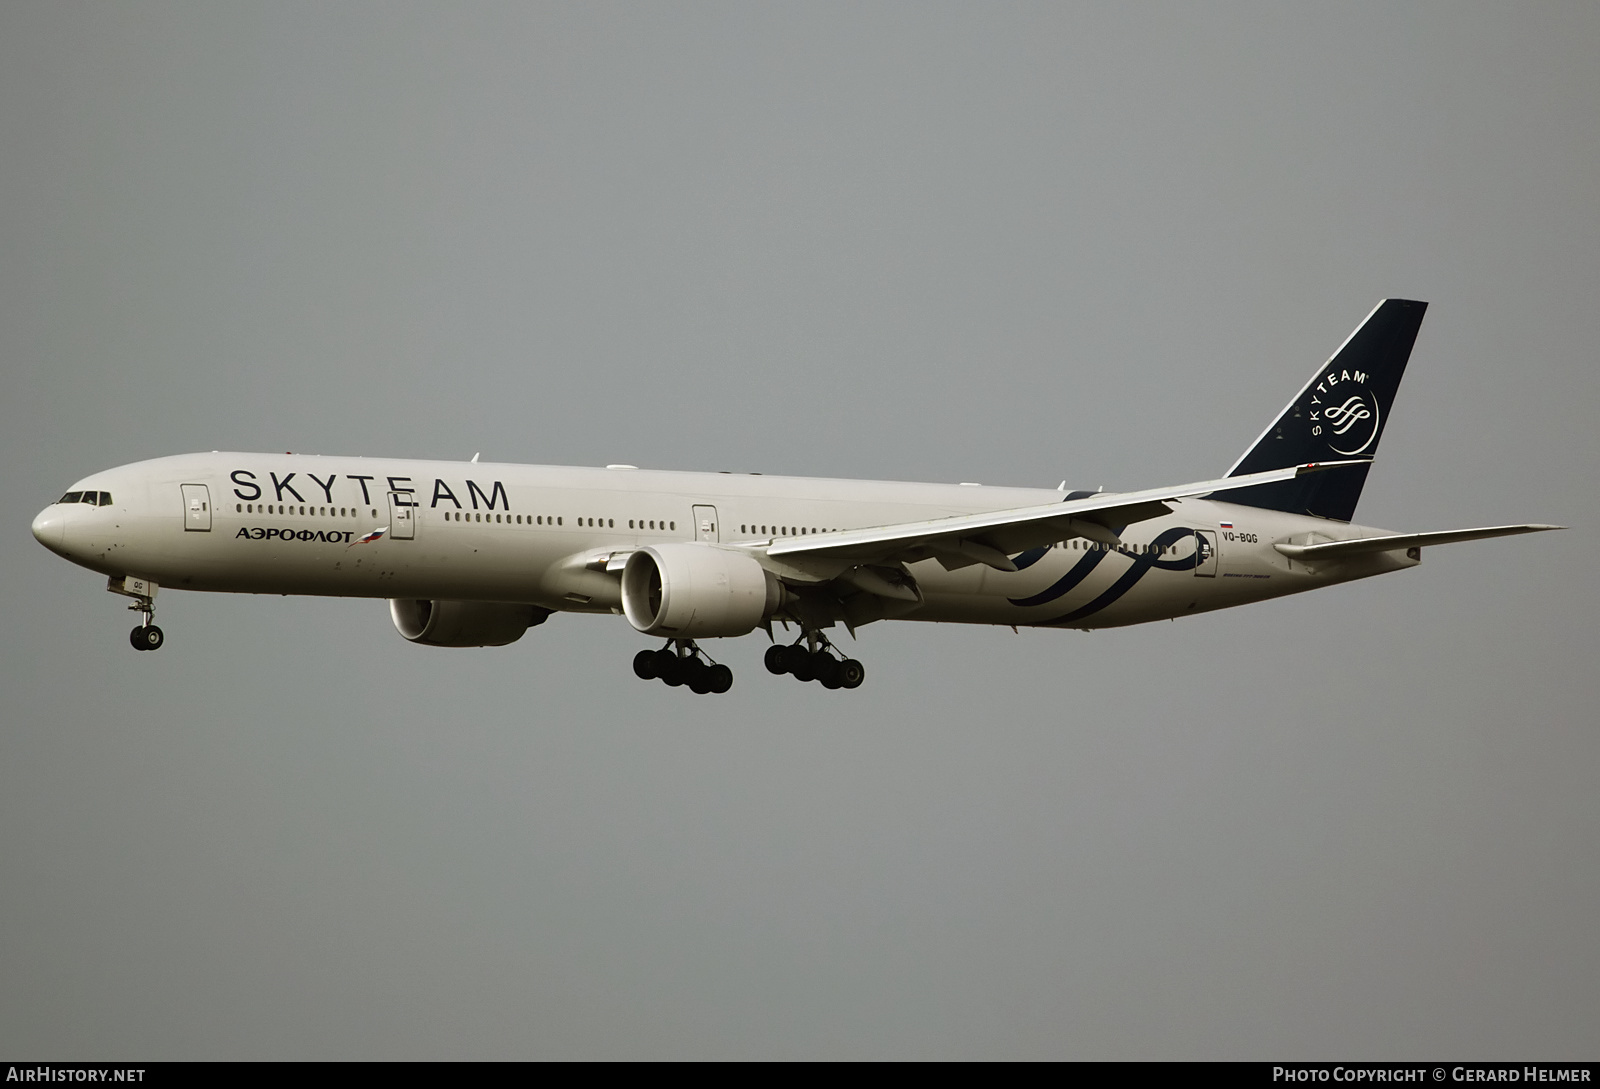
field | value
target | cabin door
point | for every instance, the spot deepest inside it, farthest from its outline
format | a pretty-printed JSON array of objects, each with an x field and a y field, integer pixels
[
  {"x": 402, "y": 517},
  {"x": 705, "y": 524},
  {"x": 196, "y": 508},
  {"x": 1205, "y": 546}
]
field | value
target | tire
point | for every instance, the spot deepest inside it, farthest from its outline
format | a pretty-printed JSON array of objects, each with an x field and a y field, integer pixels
[
  {"x": 644, "y": 665},
  {"x": 774, "y": 660},
  {"x": 136, "y": 638},
  {"x": 153, "y": 638},
  {"x": 694, "y": 672},
  {"x": 797, "y": 659},
  {"x": 825, "y": 668},
  {"x": 719, "y": 678},
  {"x": 674, "y": 674},
  {"x": 851, "y": 673}
]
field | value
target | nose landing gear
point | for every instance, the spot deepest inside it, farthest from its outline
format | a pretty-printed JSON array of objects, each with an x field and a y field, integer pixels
[
  {"x": 681, "y": 663},
  {"x": 809, "y": 659},
  {"x": 146, "y": 636}
]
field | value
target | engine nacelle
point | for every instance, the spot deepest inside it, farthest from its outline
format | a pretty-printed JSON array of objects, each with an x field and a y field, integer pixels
[
  {"x": 463, "y": 623},
  {"x": 690, "y": 590}
]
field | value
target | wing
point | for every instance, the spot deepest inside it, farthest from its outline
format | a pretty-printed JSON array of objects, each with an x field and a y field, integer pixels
[
  {"x": 992, "y": 537},
  {"x": 1334, "y": 550}
]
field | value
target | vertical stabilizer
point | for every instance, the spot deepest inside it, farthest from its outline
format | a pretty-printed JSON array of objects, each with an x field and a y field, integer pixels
[{"x": 1340, "y": 414}]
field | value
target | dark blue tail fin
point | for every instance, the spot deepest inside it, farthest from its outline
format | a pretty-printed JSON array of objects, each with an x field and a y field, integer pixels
[{"x": 1339, "y": 415}]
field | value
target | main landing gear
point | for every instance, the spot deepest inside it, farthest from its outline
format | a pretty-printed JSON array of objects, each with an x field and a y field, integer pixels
[
  {"x": 809, "y": 659},
  {"x": 681, "y": 662},
  {"x": 146, "y": 636}
]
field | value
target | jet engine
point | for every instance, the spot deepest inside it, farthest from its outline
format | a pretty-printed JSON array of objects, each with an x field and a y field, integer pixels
[
  {"x": 690, "y": 590},
  {"x": 464, "y": 623}
]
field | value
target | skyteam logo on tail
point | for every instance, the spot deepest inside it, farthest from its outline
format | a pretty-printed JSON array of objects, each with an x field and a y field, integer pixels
[{"x": 1347, "y": 418}]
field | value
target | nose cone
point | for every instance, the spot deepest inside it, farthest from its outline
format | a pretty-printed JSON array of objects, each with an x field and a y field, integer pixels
[{"x": 50, "y": 528}]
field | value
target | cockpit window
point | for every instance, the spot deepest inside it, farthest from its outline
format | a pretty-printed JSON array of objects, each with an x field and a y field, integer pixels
[
  {"x": 105, "y": 499},
  {"x": 72, "y": 497},
  {"x": 92, "y": 498}
]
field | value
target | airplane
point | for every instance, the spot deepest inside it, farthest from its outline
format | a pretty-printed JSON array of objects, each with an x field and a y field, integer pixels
[{"x": 472, "y": 554}]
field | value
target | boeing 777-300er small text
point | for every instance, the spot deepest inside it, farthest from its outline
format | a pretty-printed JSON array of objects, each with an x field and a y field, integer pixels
[{"x": 473, "y": 554}]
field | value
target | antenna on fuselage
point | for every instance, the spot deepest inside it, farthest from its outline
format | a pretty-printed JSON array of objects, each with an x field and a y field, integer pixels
[{"x": 476, "y": 456}]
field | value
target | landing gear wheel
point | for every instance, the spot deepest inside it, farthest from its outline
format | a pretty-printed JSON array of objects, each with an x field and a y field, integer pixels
[
  {"x": 146, "y": 637},
  {"x": 797, "y": 660},
  {"x": 693, "y": 671},
  {"x": 825, "y": 668},
  {"x": 644, "y": 665},
  {"x": 850, "y": 673},
  {"x": 775, "y": 660},
  {"x": 793, "y": 657},
  {"x": 719, "y": 678}
]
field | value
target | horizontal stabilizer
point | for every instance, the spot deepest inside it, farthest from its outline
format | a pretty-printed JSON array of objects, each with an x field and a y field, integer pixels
[{"x": 1334, "y": 550}]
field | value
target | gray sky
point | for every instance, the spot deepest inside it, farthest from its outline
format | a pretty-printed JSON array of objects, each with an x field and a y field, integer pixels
[{"x": 1005, "y": 243}]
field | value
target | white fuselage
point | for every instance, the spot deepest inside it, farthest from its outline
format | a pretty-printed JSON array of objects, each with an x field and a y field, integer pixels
[{"x": 293, "y": 524}]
